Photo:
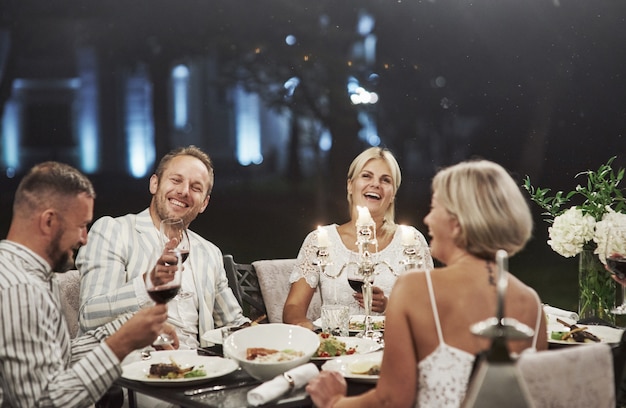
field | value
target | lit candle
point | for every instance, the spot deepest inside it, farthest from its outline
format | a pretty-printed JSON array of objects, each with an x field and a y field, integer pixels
[
  {"x": 365, "y": 217},
  {"x": 322, "y": 237},
  {"x": 408, "y": 237}
]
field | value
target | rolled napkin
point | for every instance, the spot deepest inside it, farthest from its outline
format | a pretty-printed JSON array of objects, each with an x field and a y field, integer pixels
[
  {"x": 555, "y": 311},
  {"x": 281, "y": 384}
]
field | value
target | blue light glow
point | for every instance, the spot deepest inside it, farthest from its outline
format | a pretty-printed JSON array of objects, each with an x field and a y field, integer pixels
[
  {"x": 88, "y": 108},
  {"x": 180, "y": 79},
  {"x": 10, "y": 136},
  {"x": 326, "y": 141},
  {"x": 290, "y": 39},
  {"x": 247, "y": 119},
  {"x": 139, "y": 126}
]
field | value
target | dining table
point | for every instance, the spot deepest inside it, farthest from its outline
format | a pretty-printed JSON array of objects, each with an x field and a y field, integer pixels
[{"x": 233, "y": 394}]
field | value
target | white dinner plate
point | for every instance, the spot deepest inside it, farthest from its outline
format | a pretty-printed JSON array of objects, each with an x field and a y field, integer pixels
[
  {"x": 362, "y": 346},
  {"x": 214, "y": 366},
  {"x": 342, "y": 364},
  {"x": 605, "y": 333}
]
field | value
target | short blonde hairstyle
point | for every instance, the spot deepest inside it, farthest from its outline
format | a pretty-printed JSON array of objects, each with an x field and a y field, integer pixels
[
  {"x": 488, "y": 205},
  {"x": 357, "y": 166}
]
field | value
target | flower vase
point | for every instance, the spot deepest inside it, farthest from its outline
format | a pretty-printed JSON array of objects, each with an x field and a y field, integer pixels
[{"x": 596, "y": 289}]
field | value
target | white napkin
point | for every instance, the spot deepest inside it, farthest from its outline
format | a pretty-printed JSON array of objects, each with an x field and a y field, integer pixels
[
  {"x": 279, "y": 385},
  {"x": 555, "y": 311},
  {"x": 213, "y": 336}
]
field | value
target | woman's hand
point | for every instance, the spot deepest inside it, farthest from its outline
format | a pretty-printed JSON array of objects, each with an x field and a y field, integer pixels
[
  {"x": 327, "y": 388},
  {"x": 379, "y": 300}
]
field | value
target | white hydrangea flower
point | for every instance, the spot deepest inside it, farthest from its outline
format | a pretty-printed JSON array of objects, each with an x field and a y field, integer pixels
[
  {"x": 570, "y": 231},
  {"x": 610, "y": 219}
]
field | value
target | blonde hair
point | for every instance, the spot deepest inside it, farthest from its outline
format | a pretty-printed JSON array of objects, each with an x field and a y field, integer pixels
[
  {"x": 488, "y": 205},
  {"x": 357, "y": 166}
]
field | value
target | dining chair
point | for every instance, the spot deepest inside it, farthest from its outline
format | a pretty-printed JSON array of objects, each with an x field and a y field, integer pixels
[
  {"x": 273, "y": 275},
  {"x": 242, "y": 279},
  {"x": 576, "y": 376},
  {"x": 69, "y": 290}
]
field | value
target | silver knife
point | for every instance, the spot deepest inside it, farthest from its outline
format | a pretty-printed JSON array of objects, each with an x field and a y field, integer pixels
[{"x": 221, "y": 387}]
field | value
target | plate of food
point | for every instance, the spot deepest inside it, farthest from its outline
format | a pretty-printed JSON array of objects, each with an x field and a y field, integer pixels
[
  {"x": 572, "y": 333},
  {"x": 178, "y": 367},
  {"x": 357, "y": 367},
  {"x": 337, "y": 346},
  {"x": 357, "y": 323}
]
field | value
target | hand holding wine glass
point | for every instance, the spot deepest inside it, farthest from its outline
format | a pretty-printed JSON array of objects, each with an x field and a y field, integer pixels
[
  {"x": 173, "y": 229},
  {"x": 173, "y": 234},
  {"x": 163, "y": 282}
]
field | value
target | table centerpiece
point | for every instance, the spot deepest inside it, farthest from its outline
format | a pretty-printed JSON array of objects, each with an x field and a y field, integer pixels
[{"x": 581, "y": 230}]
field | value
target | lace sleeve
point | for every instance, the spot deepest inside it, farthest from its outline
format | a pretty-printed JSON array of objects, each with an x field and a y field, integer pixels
[{"x": 305, "y": 263}]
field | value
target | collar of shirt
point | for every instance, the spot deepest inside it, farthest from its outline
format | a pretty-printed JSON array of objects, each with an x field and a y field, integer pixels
[{"x": 31, "y": 262}]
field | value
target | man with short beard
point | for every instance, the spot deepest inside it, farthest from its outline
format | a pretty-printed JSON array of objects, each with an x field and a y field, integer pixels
[
  {"x": 39, "y": 366},
  {"x": 113, "y": 263}
]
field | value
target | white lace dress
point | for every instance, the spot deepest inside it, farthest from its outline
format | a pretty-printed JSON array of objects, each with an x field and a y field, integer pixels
[{"x": 337, "y": 290}]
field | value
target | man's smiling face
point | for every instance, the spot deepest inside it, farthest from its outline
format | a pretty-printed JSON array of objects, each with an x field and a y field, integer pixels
[{"x": 182, "y": 190}]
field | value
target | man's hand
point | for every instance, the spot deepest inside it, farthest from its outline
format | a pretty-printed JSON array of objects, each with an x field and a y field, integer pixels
[
  {"x": 140, "y": 331},
  {"x": 171, "y": 331}
]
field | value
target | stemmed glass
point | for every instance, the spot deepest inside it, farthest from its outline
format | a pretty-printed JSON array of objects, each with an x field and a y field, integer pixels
[
  {"x": 174, "y": 228},
  {"x": 361, "y": 279},
  {"x": 163, "y": 283},
  {"x": 615, "y": 253}
]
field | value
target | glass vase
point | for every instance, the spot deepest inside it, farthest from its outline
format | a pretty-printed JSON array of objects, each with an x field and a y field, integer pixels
[{"x": 596, "y": 289}]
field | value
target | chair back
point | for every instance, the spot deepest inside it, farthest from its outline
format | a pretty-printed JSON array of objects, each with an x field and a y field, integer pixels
[
  {"x": 575, "y": 376},
  {"x": 273, "y": 275},
  {"x": 243, "y": 281},
  {"x": 69, "y": 291}
]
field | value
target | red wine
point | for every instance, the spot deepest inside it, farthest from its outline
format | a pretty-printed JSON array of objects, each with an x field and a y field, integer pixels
[
  {"x": 163, "y": 295},
  {"x": 184, "y": 254},
  {"x": 356, "y": 284},
  {"x": 617, "y": 265}
]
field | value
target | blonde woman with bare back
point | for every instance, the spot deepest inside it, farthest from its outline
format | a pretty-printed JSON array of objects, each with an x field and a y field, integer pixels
[{"x": 476, "y": 209}]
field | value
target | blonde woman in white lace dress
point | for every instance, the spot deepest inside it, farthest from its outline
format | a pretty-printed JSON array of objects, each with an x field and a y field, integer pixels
[
  {"x": 476, "y": 209},
  {"x": 373, "y": 181}
]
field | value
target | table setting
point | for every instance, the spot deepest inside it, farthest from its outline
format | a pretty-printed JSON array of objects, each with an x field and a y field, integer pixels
[
  {"x": 560, "y": 323},
  {"x": 224, "y": 377}
]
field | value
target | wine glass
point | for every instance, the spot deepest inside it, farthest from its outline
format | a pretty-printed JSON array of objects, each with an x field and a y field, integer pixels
[
  {"x": 615, "y": 253},
  {"x": 163, "y": 283},
  {"x": 174, "y": 228},
  {"x": 361, "y": 279}
]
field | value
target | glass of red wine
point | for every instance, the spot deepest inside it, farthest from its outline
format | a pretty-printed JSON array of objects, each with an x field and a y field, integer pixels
[
  {"x": 615, "y": 253},
  {"x": 174, "y": 229},
  {"x": 163, "y": 283}
]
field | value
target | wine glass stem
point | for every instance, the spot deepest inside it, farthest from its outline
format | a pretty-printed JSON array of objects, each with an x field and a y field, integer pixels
[{"x": 367, "y": 302}]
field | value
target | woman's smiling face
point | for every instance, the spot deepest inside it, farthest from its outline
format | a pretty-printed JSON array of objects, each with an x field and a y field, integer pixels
[{"x": 373, "y": 187}]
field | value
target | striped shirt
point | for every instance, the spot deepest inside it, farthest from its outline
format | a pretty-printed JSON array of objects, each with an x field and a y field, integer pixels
[
  {"x": 118, "y": 252},
  {"x": 39, "y": 365}
]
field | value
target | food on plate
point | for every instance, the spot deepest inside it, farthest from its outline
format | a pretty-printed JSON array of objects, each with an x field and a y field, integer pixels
[
  {"x": 578, "y": 334},
  {"x": 173, "y": 371},
  {"x": 364, "y": 367},
  {"x": 360, "y": 324},
  {"x": 266, "y": 355},
  {"x": 331, "y": 346}
]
